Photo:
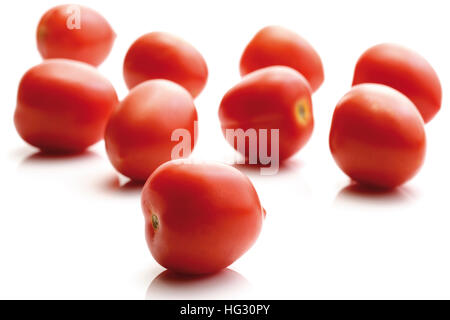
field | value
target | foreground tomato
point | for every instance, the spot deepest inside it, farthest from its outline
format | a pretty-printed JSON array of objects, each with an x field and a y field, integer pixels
[
  {"x": 271, "y": 98},
  {"x": 377, "y": 136},
  {"x": 75, "y": 32},
  {"x": 159, "y": 55},
  {"x": 276, "y": 45},
  {"x": 200, "y": 218},
  {"x": 63, "y": 106},
  {"x": 139, "y": 134},
  {"x": 404, "y": 70}
]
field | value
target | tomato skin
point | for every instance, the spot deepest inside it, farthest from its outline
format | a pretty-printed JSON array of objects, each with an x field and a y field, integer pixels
[
  {"x": 405, "y": 71},
  {"x": 138, "y": 135},
  {"x": 160, "y": 55},
  {"x": 207, "y": 216},
  {"x": 91, "y": 43},
  {"x": 269, "y": 99},
  {"x": 63, "y": 106},
  {"x": 275, "y": 45},
  {"x": 377, "y": 136}
]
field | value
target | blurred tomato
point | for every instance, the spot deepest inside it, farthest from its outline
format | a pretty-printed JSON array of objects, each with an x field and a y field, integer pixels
[
  {"x": 63, "y": 106},
  {"x": 139, "y": 134},
  {"x": 405, "y": 71},
  {"x": 200, "y": 218},
  {"x": 276, "y": 98},
  {"x": 276, "y": 45},
  {"x": 75, "y": 32},
  {"x": 377, "y": 136},
  {"x": 160, "y": 55}
]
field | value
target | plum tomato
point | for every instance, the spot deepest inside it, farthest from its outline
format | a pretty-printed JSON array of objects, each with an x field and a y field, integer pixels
[
  {"x": 377, "y": 136},
  {"x": 272, "y": 98},
  {"x": 160, "y": 55},
  {"x": 200, "y": 217},
  {"x": 275, "y": 45},
  {"x": 138, "y": 137},
  {"x": 74, "y": 32},
  {"x": 405, "y": 71},
  {"x": 63, "y": 106}
]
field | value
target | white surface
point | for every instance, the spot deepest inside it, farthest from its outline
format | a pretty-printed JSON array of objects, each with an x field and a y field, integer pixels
[{"x": 70, "y": 229}]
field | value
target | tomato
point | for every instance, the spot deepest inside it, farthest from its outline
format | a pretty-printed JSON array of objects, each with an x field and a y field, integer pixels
[
  {"x": 272, "y": 98},
  {"x": 377, "y": 136},
  {"x": 162, "y": 55},
  {"x": 63, "y": 106},
  {"x": 274, "y": 45},
  {"x": 404, "y": 70},
  {"x": 75, "y": 32},
  {"x": 200, "y": 217},
  {"x": 138, "y": 137}
]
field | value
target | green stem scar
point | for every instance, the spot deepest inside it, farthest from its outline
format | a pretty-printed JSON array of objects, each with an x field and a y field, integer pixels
[
  {"x": 155, "y": 222},
  {"x": 301, "y": 110}
]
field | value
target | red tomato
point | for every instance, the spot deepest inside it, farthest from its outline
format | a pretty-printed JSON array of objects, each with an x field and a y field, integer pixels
[
  {"x": 75, "y": 32},
  {"x": 271, "y": 98},
  {"x": 200, "y": 218},
  {"x": 276, "y": 45},
  {"x": 377, "y": 136},
  {"x": 139, "y": 134},
  {"x": 63, "y": 106},
  {"x": 160, "y": 55},
  {"x": 404, "y": 70}
]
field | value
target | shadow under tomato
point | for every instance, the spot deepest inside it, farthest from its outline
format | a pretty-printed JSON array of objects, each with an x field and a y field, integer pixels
[
  {"x": 114, "y": 184},
  {"x": 40, "y": 157},
  {"x": 357, "y": 193},
  {"x": 224, "y": 284},
  {"x": 286, "y": 166}
]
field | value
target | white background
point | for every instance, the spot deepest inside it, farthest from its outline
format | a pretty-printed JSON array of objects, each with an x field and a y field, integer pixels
[{"x": 70, "y": 228}]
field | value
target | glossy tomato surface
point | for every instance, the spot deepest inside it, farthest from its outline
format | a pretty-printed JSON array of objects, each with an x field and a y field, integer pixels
[
  {"x": 75, "y": 32},
  {"x": 377, "y": 136},
  {"x": 275, "y": 97},
  {"x": 160, "y": 55},
  {"x": 138, "y": 137},
  {"x": 405, "y": 71},
  {"x": 200, "y": 217},
  {"x": 63, "y": 106},
  {"x": 275, "y": 45}
]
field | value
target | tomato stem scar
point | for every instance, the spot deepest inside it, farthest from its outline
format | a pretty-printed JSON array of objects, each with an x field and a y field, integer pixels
[
  {"x": 155, "y": 222},
  {"x": 302, "y": 112}
]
